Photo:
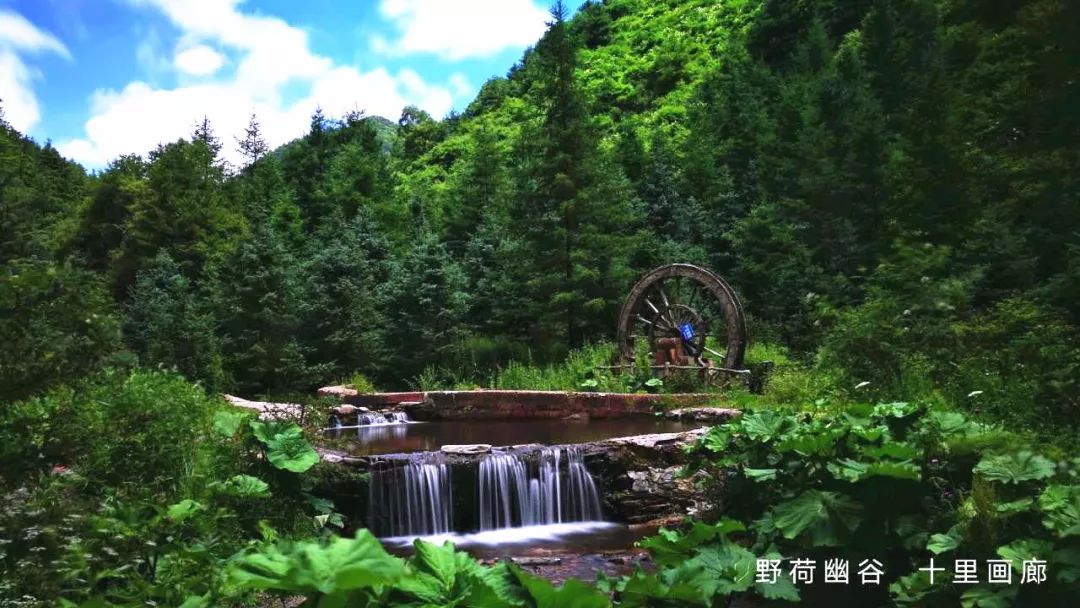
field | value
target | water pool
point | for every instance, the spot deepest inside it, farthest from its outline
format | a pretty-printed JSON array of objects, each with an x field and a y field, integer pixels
[{"x": 405, "y": 437}]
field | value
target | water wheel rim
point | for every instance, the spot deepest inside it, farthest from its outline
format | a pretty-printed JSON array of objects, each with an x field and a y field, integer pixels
[{"x": 714, "y": 286}]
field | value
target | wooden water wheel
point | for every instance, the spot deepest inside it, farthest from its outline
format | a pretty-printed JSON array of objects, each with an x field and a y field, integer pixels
[{"x": 688, "y": 318}]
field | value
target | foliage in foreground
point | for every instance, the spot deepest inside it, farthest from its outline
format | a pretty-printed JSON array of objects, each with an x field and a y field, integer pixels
[
  {"x": 359, "y": 573},
  {"x": 136, "y": 488},
  {"x": 893, "y": 482}
]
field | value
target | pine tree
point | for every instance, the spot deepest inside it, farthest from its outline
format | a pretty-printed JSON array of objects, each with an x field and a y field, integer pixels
[
  {"x": 345, "y": 267},
  {"x": 204, "y": 134},
  {"x": 306, "y": 163},
  {"x": 252, "y": 146},
  {"x": 169, "y": 323},
  {"x": 263, "y": 298},
  {"x": 481, "y": 186},
  {"x": 424, "y": 303},
  {"x": 571, "y": 206},
  {"x": 185, "y": 212}
]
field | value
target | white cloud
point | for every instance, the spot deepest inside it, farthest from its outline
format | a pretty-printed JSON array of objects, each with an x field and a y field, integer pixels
[
  {"x": 17, "y": 37},
  {"x": 199, "y": 60},
  {"x": 18, "y": 33},
  {"x": 460, "y": 84},
  {"x": 270, "y": 57},
  {"x": 465, "y": 28}
]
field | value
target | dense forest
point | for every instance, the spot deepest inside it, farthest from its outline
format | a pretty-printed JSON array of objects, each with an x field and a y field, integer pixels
[{"x": 892, "y": 187}]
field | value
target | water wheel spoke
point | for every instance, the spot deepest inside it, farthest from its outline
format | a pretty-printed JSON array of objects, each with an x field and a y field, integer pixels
[
  {"x": 678, "y": 297},
  {"x": 709, "y": 350}
]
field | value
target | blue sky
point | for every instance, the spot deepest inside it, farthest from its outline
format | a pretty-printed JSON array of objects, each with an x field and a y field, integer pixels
[{"x": 102, "y": 78}]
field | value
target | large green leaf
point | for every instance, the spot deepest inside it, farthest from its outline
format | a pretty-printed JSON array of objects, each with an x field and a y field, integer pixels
[
  {"x": 943, "y": 543},
  {"x": 264, "y": 430},
  {"x": 1060, "y": 506},
  {"x": 182, "y": 510},
  {"x": 441, "y": 576},
  {"x": 950, "y": 423},
  {"x": 759, "y": 474},
  {"x": 894, "y": 469},
  {"x": 717, "y": 439},
  {"x": 783, "y": 589},
  {"x": 892, "y": 449},
  {"x": 852, "y": 470},
  {"x": 572, "y": 594},
  {"x": 228, "y": 421},
  {"x": 243, "y": 486},
  {"x": 764, "y": 425},
  {"x": 290, "y": 450},
  {"x": 1025, "y": 549},
  {"x": 897, "y": 409},
  {"x": 819, "y": 442},
  {"x": 1014, "y": 506},
  {"x": 999, "y": 596},
  {"x": 847, "y": 469},
  {"x": 643, "y": 590},
  {"x": 493, "y": 587},
  {"x": 329, "y": 567},
  {"x": 1015, "y": 467},
  {"x": 727, "y": 568},
  {"x": 669, "y": 547},
  {"x": 824, "y": 515}
]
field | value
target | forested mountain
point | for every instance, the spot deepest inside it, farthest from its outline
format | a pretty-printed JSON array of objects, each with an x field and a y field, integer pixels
[{"x": 891, "y": 186}]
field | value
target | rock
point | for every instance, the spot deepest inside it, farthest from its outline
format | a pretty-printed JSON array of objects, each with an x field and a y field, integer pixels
[
  {"x": 655, "y": 441},
  {"x": 536, "y": 561},
  {"x": 713, "y": 415},
  {"x": 268, "y": 410},
  {"x": 347, "y": 409},
  {"x": 477, "y": 448},
  {"x": 336, "y": 391}
]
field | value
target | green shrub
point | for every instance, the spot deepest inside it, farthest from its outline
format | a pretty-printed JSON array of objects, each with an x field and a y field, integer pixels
[
  {"x": 145, "y": 431},
  {"x": 136, "y": 488},
  {"x": 56, "y": 322},
  {"x": 360, "y": 383},
  {"x": 1019, "y": 362}
]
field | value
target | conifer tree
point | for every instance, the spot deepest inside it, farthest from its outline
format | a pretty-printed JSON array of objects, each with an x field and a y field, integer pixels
[
  {"x": 571, "y": 205},
  {"x": 170, "y": 324},
  {"x": 424, "y": 303},
  {"x": 252, "y": 146}
]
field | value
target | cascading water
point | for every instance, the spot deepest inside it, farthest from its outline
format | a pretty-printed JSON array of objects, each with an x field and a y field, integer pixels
[
  {"x": 411, "y": 496},
  {"x": 520, "y": 494},
  {"x": 535, "y": 488},
  {"x": 388, "y": 418}
]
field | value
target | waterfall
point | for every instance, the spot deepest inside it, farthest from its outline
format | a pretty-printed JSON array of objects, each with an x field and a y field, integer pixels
[
  {"x": 536, "y": 488},
  {"x": 377, "y": 418},
  {"x": 411, "y": 496},
  {"x": 369, "y": 419},
  {"x": 335, "y": 422}
]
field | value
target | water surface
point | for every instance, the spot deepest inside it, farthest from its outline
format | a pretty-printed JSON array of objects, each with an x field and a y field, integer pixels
[{"x": 431, "y": 436}]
